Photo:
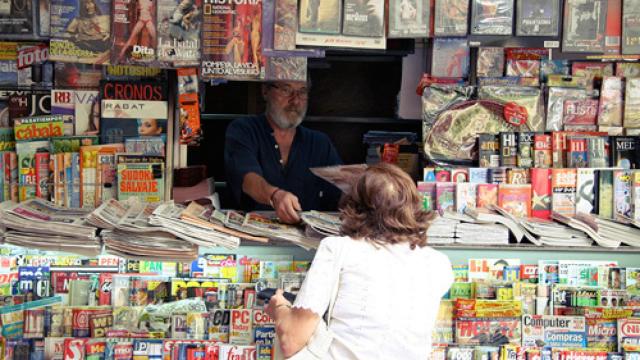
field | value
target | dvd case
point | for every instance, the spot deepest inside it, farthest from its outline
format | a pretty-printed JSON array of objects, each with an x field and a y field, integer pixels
[
  {"x": 631, "y": 27},
  {"x": 450, "y": 18},
  {"x": 584, "y": 26},
  {"x": 317, "y": 16},
  {"x": 537, "y": 17},
  {"x": 490, "y": 62},
  {"x": 491, "y": 17},
  {"x": 363, "y": 18},
  {"x": 408, "y": 18},
  {"x": 450, "y": 57}
]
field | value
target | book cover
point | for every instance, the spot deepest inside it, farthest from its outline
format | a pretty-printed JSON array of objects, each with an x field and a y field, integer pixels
[
  {"x": 362, "y": 18},
  {"x": 144, "y": 181},
  {"x": 62, "y": 104},
  {"x": 610, "y": 106},
  {"x": 123, "y": 119},
  {"x": 27, "y": 180},
  {"x": 508, "y": 149},
  {"x": 605, "y": 193},
  {"x": 538, "y": 18},
  {"x": 490, "y": 62},
  {"x": 80, "y": 31},
  {"x": 541, "y": 193},
  {"x": 577, "y": 154},
  {"x": 478, "y": 175},
  {"x": 459, "y": 175},
  {"x": 18, "y": 19},
  {"x": 563, "y": 187},
  {"x": 632, "y": 104},
  {"x": 320, "y": 16},
  {"x": 445, "y": 196},
  {"x": 451, "y": 18},
  {"x": 179, "y": 24},
  {"x": 624, "y": 153},
  {"x": 489, "y": 153},
  {"x": 42, "y": 174},
  {"x": 518, "y": 176},
  {"x": 491, "y": 17},
  {"x": 584, "y": 26},
  {"x": 466, "y": 194},
  {"x": 232, "y": 34},
  {"x": 498, "y": 175},
  {"x": 134, "y": 32},
  {"x": 630, "y": 27},
  {"x": 525, "y": 149},
  {"x": 542, "y": 154},
  {"x": 585, "y": 195},
  {"x": 443, "y": 174},
  {"x": 622, "y": 194},
  {"x": 428, "y": 192},
  {"x": 596, "y": 152},
  {"x": 515, "y": 199},
  {"x": 487, "y": 195},
  {"x": 450, "y": 58},
  {"x": 409, "y": 18}
]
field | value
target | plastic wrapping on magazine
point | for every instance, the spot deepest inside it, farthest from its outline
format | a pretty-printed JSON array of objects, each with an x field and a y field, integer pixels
[
  {"x": 157, "y": 317},
  {"x": 528, "y": 97},
  {"x": 453, "y": 137},
  {"x": 437, "y": 98}
]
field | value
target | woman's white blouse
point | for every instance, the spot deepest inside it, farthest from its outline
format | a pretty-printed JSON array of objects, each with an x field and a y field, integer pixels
[{"x": 388, "y": 297}]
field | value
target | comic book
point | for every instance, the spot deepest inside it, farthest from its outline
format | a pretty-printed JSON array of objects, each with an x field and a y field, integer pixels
[
  {"x": 17, "y": 18},
  {"x": 450, "y": 57},
  {"x": 179, "y": 24},
  {"x": 80, "y": 31},
  {"x": 409, "y": 18},
  {"x": 363, "y": 18},
  {"x": 123, "y": 119},
  {"x": 134, "y": 32},
  {"x": 234, "y": 53},
  {"x": 631, "y": 27},
  {"x": 450, "y": 18},
  {"x": 584, "y": 26},
  {"x": 538, "y": 18},
  {"x": 317, "y": 16},
  {"x": 491, "y": 17},
  {"x": 490, "y": 62}
]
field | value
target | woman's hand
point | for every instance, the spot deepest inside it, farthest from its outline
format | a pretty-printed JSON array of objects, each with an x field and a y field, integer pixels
[{"x": 278, "y": 300}]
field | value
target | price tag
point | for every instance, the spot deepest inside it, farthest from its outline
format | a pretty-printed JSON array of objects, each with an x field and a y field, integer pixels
[{"x": 552, "y": 44}]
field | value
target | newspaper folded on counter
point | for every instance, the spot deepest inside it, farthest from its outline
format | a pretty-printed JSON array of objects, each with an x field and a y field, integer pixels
[
  {"x": 167, "y": 216},
  {"x": 43, "y": 217},
  {"x": 272, "y": 228}
]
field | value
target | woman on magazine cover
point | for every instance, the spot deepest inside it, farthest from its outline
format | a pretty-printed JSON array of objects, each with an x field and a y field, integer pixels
[{"x": 389, "y": 282}]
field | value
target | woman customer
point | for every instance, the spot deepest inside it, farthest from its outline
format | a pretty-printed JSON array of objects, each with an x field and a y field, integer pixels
[{"x": 389, "y": 282}]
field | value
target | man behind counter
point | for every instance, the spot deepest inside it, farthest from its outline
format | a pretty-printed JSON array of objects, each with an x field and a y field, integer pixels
[{"x": 267, "y": 157}]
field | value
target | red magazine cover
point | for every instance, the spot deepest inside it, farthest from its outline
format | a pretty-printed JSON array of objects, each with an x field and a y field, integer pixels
[
  {"x": 74, "y": 349},
  {"x": 541, "y": 193},
  {"x": 542, "y": 155},
  {"x": 580, "y": 112},
  {"x": 515, "y": 199}
]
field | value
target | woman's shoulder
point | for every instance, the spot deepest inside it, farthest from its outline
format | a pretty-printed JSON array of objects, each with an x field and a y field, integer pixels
[{"x": 435, "y": 256}]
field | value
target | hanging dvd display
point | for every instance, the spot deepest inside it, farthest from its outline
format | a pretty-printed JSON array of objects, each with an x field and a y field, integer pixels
[
  {"x": 584, "y": 26},
  {"x": 408, "y": 18},
  {"x": 491, "y": 17},
  {"x": 631, "y": 27},
  {"x": 537, "y": 17},
  {"x": 317, "y": 16},
  {"x": 450, "y": 58},
  {"x": 450, "y": 17}
]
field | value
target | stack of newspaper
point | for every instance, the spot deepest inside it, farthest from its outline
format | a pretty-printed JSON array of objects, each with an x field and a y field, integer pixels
[
  {"x": 496, "y": 216},
  {"x": 39, "y": 224},
  {"x": 168, "y": 217},
  {"x": 321, "y": 223},
  {"x": 552, "y": 233},
  {"x": 613, "y": 230},
  {"x": 274, "y": 229},
  {"x": 233, "y": 220},
  {"x": 604, "y": 239},
  {"x": 442, "y": 231},
  {"x": 201, "y": 216},
  {"x": 129, "y": 234},
  {"x": 482, "y": 234}
]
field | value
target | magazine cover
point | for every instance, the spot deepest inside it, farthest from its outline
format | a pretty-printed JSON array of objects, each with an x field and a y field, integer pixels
[
  {"x": 363, "y": 18},
  {"x": 234, "y": 53},
  {"x": 538, "y": 18},
  {"x": 80, "y": 31},
  {"x": 631, "y": 27},
  {"x": 27, "y": 181},
  {"x": 134, "y": 31},
  {"x": 585, "y": 191},
  {"x": 554, "y": 331},
  {"x": 450, "y": 57},
  {"x": 584, "y": 25},
  {"x": 541, "y": 193},
  {"x": 491, "y": 17},
  {"x": 86, "y": 112},
  {"x": 487, "y": 331},
  {"x": 189, "y": 120},
  {"x": 409, "y": 18},
  {"x": 317, "y": 16},
  {"x": 38, "y": 127},
  {"x": 179, "y": 30},
  {"x": 62, "y": 104},
  {"x": 16, "y": 18},
  {"x": 610, "y": 106},
  {"x": 450, "y": 18},
  {"x": 123, "y": 119},
  {"x": 490, "y": 62},
  {"x": 74, "y": 76},
  {"x": 563, "y": 187},
  {"x": 286, "y": 24}
]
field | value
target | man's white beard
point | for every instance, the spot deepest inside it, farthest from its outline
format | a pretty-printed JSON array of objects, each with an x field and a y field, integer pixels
[{"x": 285, "y": 119}]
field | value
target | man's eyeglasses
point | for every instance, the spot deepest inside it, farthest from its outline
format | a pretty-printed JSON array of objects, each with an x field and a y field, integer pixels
[{"x": 289, "y": 92}]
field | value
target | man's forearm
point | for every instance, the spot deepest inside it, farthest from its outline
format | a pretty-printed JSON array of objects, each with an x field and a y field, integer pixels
[{"x": 258, "y": 188}]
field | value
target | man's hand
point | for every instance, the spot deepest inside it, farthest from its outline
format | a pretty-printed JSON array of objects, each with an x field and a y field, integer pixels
[{"x": 286, "y": 206}]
